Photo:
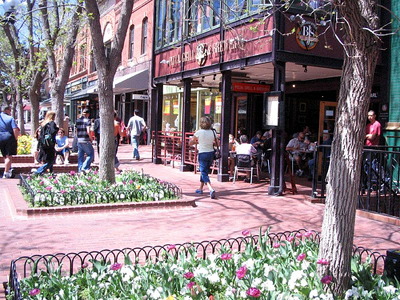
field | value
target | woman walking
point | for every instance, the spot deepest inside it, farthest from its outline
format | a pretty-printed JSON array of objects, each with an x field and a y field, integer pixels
[
  {"x": 47, "y": 142},
  {"x": 204, "y": 138}
]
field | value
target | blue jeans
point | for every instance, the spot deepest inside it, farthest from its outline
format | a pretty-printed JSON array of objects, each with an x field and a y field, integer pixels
[
  {"x": 44, "y": 167},
  {"x": 205, "y": 161},
  {"x": 82, "y": 149},
  {"x": 135, "y": 143}
]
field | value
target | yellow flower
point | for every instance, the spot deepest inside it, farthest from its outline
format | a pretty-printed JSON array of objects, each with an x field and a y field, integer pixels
[
  {"x": 170, "y": 297},
  {"x": 138, "y": 187}
]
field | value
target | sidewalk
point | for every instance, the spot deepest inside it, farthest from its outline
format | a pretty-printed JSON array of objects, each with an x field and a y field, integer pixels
[{"x": 237, "y": 207}]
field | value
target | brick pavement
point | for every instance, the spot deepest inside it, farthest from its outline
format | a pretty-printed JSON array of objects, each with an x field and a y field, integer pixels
[{"x": 238, "y": 206}]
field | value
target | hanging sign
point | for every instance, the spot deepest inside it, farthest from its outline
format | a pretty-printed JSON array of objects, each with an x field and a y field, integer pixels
[
  {"x": 167, "y": 108},
  {"x": 207, "y": 106},
  {"x": 307, "y": 36},
  {"x": 218, "y": 104},
  {"x": 175, "y": 107}
]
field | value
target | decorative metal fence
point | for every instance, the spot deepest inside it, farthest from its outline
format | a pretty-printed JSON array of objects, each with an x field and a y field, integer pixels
[
  {"x": 50, "y": 199},
  {"x": 71, "y": 263},
  {"x": 380, "y": 179}
]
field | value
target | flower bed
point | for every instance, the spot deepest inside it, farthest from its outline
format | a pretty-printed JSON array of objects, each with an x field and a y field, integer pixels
[
  {"x": 80, "y": 189},
  {"x": 269, "y": 266}
]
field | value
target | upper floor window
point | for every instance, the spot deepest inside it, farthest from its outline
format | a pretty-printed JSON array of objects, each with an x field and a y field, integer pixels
[
  {"x": 107, "y": 47},
  {"x": 92, "y": 63},
  {"x": 131, "y": 41},
  {"x": 144, "y": 36},
  {"x": 82, "y": 58}
]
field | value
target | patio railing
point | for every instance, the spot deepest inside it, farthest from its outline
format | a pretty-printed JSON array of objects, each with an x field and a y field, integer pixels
[
  {"x": 380, "y": 179},
  {"x": 71, "y": 263}
]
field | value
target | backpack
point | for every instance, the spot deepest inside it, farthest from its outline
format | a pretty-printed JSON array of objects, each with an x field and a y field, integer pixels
[{"x": 46, "y": 139}]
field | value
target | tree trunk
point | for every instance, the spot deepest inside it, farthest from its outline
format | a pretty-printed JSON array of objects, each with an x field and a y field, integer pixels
[
  {"x": 106, "y": 68},
  {"x": 361, "y": 53},
  {"x": 20, "y": 111}
]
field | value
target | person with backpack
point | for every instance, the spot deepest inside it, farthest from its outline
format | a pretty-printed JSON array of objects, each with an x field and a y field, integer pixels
[{"x": 47, "y": 142}]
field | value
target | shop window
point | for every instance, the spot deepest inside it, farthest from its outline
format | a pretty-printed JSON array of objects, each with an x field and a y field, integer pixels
[
  {"x": 144, "y": 36},
  {"x": 131, "y": 41}
]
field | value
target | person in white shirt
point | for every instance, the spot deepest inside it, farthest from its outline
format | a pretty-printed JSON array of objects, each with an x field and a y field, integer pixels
[
  {"x": 246, "y": 149},
  {"x": 205, "y": 139},
  {"x": 136, "y": 126}
]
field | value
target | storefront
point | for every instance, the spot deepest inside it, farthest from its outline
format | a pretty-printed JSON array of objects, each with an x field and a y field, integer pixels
[{"x": 228, "y": 72}]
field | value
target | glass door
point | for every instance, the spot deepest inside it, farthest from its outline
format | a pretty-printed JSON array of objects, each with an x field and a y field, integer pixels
[{"x": 241, "y": 116}]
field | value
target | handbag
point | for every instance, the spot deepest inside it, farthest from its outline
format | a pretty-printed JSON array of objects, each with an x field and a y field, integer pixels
[{"x": 217, "y": 151}]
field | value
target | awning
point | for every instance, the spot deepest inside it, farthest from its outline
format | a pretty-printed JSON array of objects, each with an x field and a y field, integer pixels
[
  {"x": 88, "y": 93},
  {"x": 132, "y": 82}
]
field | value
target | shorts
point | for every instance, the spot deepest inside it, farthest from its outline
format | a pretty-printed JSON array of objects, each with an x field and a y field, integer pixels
[
  {"x": 8, "y": 147},
  {"x": 62, "y": 152}
]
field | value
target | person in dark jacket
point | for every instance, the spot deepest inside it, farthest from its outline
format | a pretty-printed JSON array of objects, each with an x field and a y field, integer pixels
[{"x": 47, "y": 152}]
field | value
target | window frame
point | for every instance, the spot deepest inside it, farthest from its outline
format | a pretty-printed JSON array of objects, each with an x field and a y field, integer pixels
[{"x": 143, "y": 49}]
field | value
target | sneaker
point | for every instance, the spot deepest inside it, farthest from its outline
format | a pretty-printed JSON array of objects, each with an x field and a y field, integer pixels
[
  {"x": 212, "y": 194},
  {"x": 11, "y": 173},
  {"x": 301, "y": 173},
  {"x": 66, "y": 162},
  {"x": 33, "y": 170},
  {"x": 199, "y": 191}
]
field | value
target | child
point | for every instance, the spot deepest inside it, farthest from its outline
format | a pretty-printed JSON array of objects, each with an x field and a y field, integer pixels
[
  {"x": 62, "y": 146},
  {"x": 35, "y": 145}
]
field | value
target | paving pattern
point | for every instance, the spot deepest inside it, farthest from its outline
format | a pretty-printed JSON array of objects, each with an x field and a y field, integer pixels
[{"x": 237, "y": 207}]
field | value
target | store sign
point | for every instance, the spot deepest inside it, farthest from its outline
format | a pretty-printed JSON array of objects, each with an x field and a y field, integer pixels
[
  {"x": 203, "y": 51},
  {"x": 242, "y": 87},
  {"x": 307, "y": 36},
  {"x": 77, "y": 87}
]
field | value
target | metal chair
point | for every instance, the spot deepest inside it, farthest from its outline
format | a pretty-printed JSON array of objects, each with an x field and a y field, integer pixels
[{"x": 244, "y": 163}]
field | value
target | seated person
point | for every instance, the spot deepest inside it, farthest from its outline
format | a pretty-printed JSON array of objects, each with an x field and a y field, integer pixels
[
  {"x": 295, "y": 147},
  {"x": 257, "y": 142},
  {"x": 62, "y": 146},
  {"x": 326, "y": 153},
  {"x": 247, "y": 149}
]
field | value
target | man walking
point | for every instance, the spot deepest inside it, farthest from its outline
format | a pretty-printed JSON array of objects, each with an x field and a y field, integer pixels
[
  {"x": 136, "y": 126},
  {"x": 9, "y": 133},
  {"x": 83, "y": 125}
]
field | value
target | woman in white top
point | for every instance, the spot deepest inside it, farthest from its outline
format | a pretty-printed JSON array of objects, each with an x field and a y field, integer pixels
[
  {"x": 204, "y": 138},
  {"x": 246, "y": 149}
]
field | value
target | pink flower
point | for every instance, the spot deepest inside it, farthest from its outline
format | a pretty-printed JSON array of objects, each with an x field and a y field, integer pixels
[
  {"x": 190, "y": 284},
  {"x": 326, "y": 279},
  {"x": 253, "y": 292},
  {"x": 171, "y": 247},
  {"x": 115, "y": 267},
  {"x": 241, "y": 272},
  {"x": 130, "y": 181},
  {"x": 72, "y": 187},
  {"x": 34, "y": 292},
  {"x": 72, "y": 173},
  {"x": 41, "y": 182},
  {"x": 299, "y": 235},
  {"x": 48, "y": 188},
  {"x": 323, "y": 261},
  {"x": 308, "y": 234},
  {"x": 276, "y": 245},
  {"x": 63, "y": 191},
  {"x": 226, "y": 256},
  {"x": 55, "y": 181},
  {"x": 95, "y": 172},
  {"x": 89, "y": 178},
  {"x": 301, "y": 256},
  {"x": 246, "y": 232},
  {"x": 85, "y": 265},
  {"x": 290, "y": 238},
  {"x": 188, "y": 275}
]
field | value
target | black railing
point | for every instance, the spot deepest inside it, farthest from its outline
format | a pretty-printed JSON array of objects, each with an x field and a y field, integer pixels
[
  {"x": 380, "y": 178},
  {"x": 71, "y": 263},
  {"x": 51, "y": 199}
]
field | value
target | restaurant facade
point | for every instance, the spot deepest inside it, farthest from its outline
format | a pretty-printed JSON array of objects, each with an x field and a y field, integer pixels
[{"x": 248, "y": 69}]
